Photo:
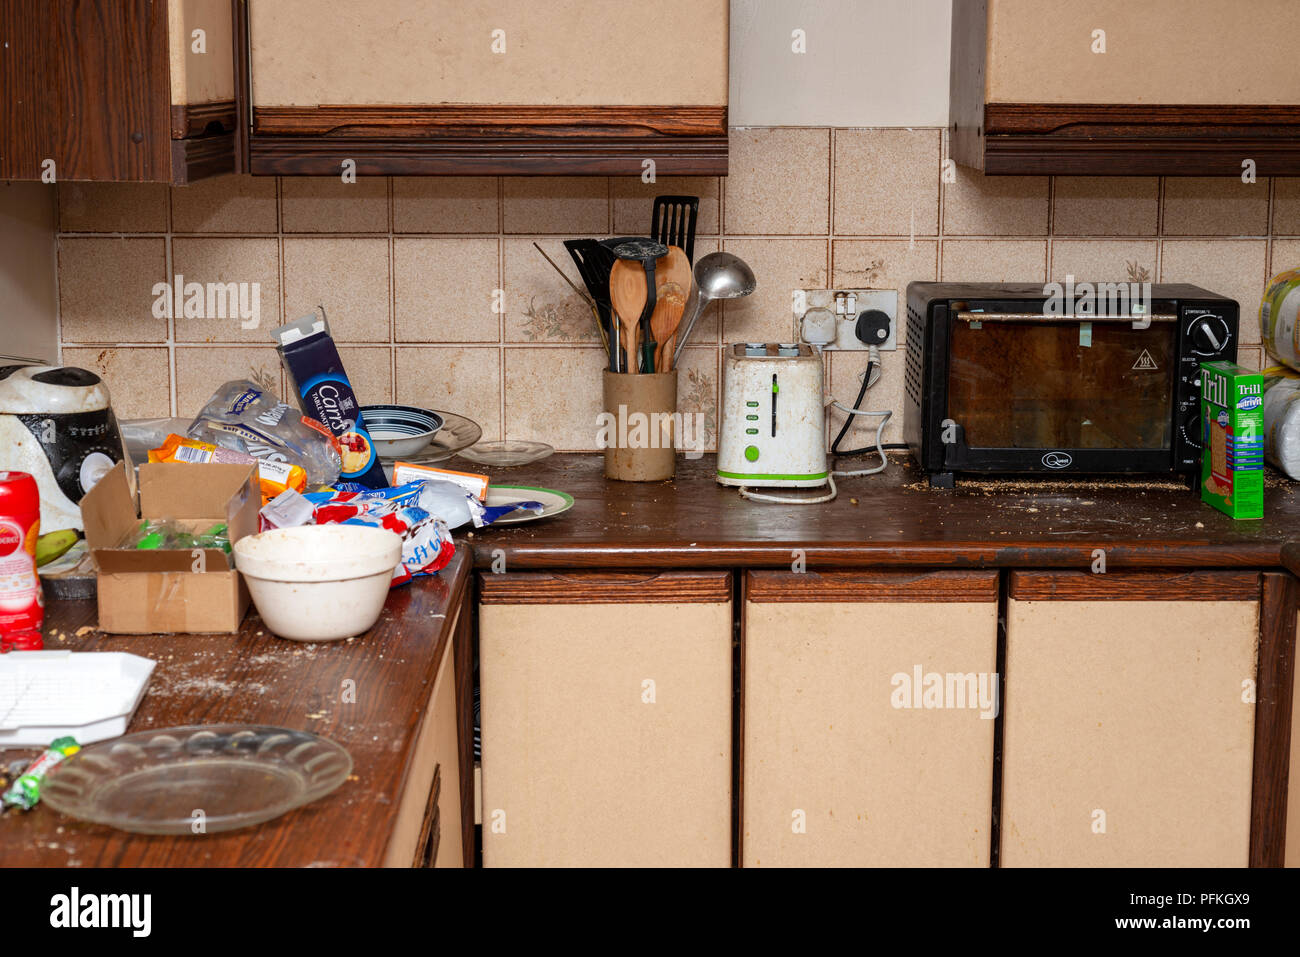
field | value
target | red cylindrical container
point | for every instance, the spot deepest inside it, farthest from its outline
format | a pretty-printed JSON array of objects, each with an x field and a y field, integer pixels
[{"x": 22, "y": 606}]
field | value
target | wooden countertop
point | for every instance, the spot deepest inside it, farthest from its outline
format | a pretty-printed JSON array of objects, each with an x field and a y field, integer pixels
[
  {"x": 893, "y": 518},
  {"x": 256, "y": 678}
]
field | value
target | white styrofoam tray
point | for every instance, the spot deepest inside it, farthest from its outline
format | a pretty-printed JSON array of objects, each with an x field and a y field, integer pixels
[{"x": 89, "y": 695}]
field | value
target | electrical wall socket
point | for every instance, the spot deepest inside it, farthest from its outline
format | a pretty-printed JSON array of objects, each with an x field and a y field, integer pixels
[{"x": 827, "y": 317}]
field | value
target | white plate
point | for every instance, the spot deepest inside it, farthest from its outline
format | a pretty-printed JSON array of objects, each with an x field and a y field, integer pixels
[{"x": 554, "y": 502}]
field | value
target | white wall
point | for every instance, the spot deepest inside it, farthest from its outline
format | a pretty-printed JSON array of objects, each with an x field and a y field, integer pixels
[
  {"x": 28, "y": 271},
  {"x": 868, "y": 63}
]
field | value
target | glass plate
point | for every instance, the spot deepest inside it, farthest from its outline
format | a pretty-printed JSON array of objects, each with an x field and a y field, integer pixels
[
  {"x": 508, "y": 453},
  {"x": 153, "y": 782},
  {"x": 457, "y": 433}
]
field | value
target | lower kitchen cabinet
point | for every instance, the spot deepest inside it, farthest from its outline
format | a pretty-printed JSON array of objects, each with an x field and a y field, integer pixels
[
  {"x": 428, "y": 830},
  {"x": 1129, "y": 720},
  {"x": 868, "y": 717},
  {"x": 606, "y": 719}
]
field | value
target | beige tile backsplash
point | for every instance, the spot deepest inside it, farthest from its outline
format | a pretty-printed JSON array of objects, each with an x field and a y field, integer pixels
[{"x": 438, "y": 298}]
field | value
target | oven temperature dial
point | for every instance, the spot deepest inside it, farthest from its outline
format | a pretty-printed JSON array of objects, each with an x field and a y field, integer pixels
[{"x": 1209, "y": 335}]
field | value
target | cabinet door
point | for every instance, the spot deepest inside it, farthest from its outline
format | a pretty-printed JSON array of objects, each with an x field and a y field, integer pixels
[
  {"x": 606, "y": 719},
  {"x": 1129, "y": 726},
  {"x": 868, "y": 714}
]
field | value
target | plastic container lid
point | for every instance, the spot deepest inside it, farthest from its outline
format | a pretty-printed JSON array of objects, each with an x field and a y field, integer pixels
[{"x": 18, "y": 492}]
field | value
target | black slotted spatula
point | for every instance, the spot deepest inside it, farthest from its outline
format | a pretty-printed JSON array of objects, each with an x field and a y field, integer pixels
[{"x": 673, "y": 222}]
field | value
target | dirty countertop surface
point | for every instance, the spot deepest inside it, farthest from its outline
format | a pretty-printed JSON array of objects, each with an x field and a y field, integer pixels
[
  {"x": 893, "y": 518},
  {"x": 256, "y": 678}
]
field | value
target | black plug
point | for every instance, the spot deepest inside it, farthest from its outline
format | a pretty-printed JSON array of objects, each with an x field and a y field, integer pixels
[{"x": 872, "y": 327}]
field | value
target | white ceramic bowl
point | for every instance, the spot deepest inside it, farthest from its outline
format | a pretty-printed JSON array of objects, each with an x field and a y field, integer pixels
[{"x": 319, "y": 582}]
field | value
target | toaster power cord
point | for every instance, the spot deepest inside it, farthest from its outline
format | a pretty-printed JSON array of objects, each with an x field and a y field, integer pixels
[{"x": 873, "y": 364}]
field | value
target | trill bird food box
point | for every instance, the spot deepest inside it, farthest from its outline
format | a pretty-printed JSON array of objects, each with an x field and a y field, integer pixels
[{"x": 1232, "y": 432}]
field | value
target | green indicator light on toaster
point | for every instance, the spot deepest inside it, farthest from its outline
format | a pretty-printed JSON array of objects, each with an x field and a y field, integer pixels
[
  {"x": 751, "y": 451},
  {"x": 751, "y": 431},
  {"x": 752, "y": 418},
  {"x": 752, "y": 405}
]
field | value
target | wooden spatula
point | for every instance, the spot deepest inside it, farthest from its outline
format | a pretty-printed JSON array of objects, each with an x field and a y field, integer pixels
[
  {"x": 627, "y": 294},
  {"x": 673, "y": 278}
]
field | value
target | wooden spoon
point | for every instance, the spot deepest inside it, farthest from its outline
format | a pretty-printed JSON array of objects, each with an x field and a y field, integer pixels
[
  {"x": 627, "y": 295},
  {"x": 673, "y": 278}
]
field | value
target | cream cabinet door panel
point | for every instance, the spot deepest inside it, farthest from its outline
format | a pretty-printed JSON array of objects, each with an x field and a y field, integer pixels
[{"x": 848, "y": 759}]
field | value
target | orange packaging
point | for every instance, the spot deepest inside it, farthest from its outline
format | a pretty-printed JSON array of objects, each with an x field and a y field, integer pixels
[{"x": 273, "y": 477}]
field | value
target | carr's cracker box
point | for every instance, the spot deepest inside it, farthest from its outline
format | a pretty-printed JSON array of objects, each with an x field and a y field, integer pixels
[{"x": 1232, "y": 432}]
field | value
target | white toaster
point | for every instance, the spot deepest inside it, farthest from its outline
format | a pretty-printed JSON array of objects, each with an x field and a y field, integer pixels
[{"x": 773, "y": 425}]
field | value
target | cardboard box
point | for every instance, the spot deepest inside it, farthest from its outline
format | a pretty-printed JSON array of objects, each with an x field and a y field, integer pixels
[
  {"x": 1232, "y": 430},
  {"x": 170, "y": 590}
]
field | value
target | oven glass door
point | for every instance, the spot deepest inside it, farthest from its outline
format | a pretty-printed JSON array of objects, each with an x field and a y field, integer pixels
[{"x": 1046, "y": 384}]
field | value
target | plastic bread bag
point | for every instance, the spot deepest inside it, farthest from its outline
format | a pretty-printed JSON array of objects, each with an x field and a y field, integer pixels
[
  {"x": 243, "y": 416},
  {"x": 450, "y": 502},
  {"x": 1282, "y": 420}
]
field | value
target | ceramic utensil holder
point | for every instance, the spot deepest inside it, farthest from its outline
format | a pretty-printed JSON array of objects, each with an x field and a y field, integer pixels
[{"x": 638, "y": 429}]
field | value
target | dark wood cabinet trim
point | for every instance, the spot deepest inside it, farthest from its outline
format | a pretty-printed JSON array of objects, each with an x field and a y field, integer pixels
[
  {"x": 201, "y": 157},
  {"x": 471, "y": 156},
  {"x": 202, "y": 119},
  {"x": 426, "y": 848},
  {"x": 602, "y": 588},
  {"x": 490, "y": 121},
  {"x": 1197, "y": 585},
  {"x": 243, "y": 99},
  {"x": 873, "y": 586},
  {"x": 464, "y": 645},
  {"x": 1274, "y": 685}
]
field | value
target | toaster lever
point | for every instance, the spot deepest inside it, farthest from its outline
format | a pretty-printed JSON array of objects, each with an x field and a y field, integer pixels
[{"x": 775, "y": 390}]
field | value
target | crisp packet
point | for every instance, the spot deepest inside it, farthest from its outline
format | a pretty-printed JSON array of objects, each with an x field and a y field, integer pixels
[
  {"x": 274, "y": 477},
  {"x": 451, "y": 502}
]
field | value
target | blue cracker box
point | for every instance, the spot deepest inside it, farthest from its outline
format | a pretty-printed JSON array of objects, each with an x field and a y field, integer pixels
[{"x": 1232, "y": 432}]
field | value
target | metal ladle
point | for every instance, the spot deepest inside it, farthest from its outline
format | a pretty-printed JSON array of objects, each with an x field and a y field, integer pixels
[{"x": 717, "y": 276}]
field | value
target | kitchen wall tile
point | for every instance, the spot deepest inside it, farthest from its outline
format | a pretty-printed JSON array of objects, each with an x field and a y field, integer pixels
[
  {"x": 139, "y": 380},
  {"x": 1286, "y": 255},
  {"x": 370, "y": 369},
  {"x": 112, "y": 207},
  {"x": 553, "y": 395},
  {"x": 1252, "y": 357},
  {"x": 349, "y": 277},
  {"x": 993, "y": 260},
  {"x": 326, "y": 204},
  {"x": 1286, "y": 206},
  {"x": 634, "y": 202},
  {"x": 1104, "y": 260},
  {"x": 106, "y": 289},
  {"x": 445, "y": 204},
  {"x": 571, "y": 205},
  {"x": 540, "y": 306},
  {"x": 887, "y": 182},
  {"x": 778, "y": 182},
  {"x": 225, "y": 204},
  {"x": 1215, "y": 206},
  {"x": 698, "y": 392},
  {"x": 444, "y": 290},
  {"x": 1105, "y": 205},
  {"x": 846, "y": 370},
  {"x": 781, "y": 266},
  {"x": 463, "y": 380},
  {"x": 244, "y": 261},
  {"x": 1231, "y": 267},
  {"x": 884, "y": 264},
  {"x": 201, "y": 370},
  {"x": 979, "y": 205}
]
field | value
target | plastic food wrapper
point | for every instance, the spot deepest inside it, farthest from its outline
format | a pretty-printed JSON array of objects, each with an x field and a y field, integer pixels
[
  {"x": 273, "y": 477},
  {"x": 426, "y": 540},
  {"x": 289, "y": 509},
  {"x": 242, "y": 416},
  {"x": 1282, "y": 420},
  {"x": 449, "y": 501},
  {"x": 1279, "y": 324},
  {"x": 166, "y": 533}
]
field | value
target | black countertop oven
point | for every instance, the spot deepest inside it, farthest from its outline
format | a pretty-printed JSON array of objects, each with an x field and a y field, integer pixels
[{"x": 1068, "y": 377}]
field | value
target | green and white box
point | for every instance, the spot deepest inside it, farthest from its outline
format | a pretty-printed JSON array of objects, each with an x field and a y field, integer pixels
[{"x": 1232, "y": 433}]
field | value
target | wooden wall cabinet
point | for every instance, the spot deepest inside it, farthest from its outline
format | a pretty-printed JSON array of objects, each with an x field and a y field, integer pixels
[
  {"x": 112, "y": 90},
  {"x": 847, "y": 759},
  {"x": 1129, "y": 735},
  {"x": 606, "y": 719},
  {"x": 427, "y": 87},
  {"x": 1105, "y": 87}
]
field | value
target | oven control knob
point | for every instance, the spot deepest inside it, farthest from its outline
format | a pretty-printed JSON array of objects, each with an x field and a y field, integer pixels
[
  {"x": 1209, "y": 335},
  {"x": 1190, "y": 427}
]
